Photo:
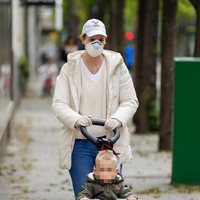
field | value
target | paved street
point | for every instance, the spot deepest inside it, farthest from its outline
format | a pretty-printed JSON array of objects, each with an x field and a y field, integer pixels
[{"x": 30, "y": 170}]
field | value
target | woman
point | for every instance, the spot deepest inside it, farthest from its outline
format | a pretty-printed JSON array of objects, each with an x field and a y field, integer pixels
[{"x": 94, "y": 83}]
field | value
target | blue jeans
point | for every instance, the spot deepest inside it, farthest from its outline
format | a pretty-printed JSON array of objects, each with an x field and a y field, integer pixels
[{"x": 83, "y": 161}]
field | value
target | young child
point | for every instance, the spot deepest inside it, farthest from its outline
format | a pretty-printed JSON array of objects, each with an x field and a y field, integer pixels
[{"x": 105, "y": 183}]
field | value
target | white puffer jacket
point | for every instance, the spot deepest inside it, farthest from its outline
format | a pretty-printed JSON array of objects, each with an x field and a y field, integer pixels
[{"x": 122, "y": 102}]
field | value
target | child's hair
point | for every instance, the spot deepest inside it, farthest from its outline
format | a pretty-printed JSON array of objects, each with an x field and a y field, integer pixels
[{"x": 106, "y": 156}]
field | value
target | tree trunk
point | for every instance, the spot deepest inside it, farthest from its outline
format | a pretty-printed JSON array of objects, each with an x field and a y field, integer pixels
[
  {"x": 116, "y": 25},
  {"x": 98, "y": 10},
  {"x": 72, "y": 22},
  {"x": 196, "y": 4},
  {"x": 167, "y": 61},
  {"x": 145, "y": 69}
]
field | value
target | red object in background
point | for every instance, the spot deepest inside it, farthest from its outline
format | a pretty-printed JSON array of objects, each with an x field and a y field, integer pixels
[
  {"x": 48, "y": 85},
  {"x": 129, "y": 35}
]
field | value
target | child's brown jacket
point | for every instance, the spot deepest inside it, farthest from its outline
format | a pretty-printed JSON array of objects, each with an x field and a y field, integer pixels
[{"x": 94, "y": 188}]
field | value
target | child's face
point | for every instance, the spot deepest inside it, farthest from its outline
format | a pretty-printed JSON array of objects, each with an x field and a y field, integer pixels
[{"x": 106, "y": 170}]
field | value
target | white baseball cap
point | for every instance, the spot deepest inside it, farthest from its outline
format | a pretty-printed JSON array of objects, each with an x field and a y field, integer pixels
[{"x": 94, "y": 27}]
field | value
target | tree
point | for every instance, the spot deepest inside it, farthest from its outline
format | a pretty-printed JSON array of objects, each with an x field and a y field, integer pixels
[
  {"x": 167, "y": 62},
  {"x": 97, "y": 9},
  {"x": 130, "y": 15},
  {"x": 70, "y": 19},
  {"x": 196, "y": 4},
  {"x": 145, "y": 68},
  {"x": 116, "y": 24},
  {"x": 185, "y": 19}
]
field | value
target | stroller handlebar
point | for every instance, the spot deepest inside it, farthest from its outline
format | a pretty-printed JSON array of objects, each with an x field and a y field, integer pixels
[{"x": 111, "y": 141}]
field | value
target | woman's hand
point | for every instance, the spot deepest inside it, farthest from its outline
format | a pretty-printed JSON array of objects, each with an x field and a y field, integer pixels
[
  {"x": 83, "y": 121},
  {"x": 112, "y": 124}
]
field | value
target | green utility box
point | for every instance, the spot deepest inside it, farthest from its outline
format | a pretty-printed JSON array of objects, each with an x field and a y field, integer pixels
[{"x": 186, "y": 133}]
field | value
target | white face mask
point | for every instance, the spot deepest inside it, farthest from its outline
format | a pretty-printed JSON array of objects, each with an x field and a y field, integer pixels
[{"x": 94, "y": 48}]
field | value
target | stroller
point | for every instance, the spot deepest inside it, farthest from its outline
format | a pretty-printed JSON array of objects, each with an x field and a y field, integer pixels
[{"x": 102, "y": 143}]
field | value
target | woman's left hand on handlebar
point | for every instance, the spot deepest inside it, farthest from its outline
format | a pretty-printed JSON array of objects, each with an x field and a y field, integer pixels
[{"x": 112, "y": 124}]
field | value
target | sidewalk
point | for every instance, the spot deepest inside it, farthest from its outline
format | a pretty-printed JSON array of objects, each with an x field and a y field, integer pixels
[{"x": 30, "y": 170}]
